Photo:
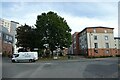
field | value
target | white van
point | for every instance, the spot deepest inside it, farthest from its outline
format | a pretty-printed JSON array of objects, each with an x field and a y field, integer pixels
[{"x": 25, "y": 56}]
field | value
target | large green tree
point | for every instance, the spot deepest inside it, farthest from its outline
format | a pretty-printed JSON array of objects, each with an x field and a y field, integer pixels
[{"x": 53, "y": 30}]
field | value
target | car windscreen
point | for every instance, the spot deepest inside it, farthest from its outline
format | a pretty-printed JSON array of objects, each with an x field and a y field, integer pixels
[{"x": 15, "y": 55}]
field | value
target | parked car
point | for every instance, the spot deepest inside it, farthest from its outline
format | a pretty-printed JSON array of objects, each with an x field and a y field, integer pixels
[{"x": 25, "y": 56}]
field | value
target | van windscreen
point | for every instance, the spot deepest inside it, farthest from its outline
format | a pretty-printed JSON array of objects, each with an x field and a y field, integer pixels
[{"x": 15, "y": 55}]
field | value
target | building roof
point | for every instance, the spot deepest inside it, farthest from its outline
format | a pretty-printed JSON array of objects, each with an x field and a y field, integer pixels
[
  {"x": 15, "y": 22},
  {"x": 75, "y": 33},
  {"x": 95, "y": 27},
  {"x": 99, "y": 27}
]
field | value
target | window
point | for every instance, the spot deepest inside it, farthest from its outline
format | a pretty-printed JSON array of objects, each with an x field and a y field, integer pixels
[
  {"x": 94, "y": 30},
  {"x": 0, "y": 34},
  {"x": 74, "y": 42},
  {"x": 107, "y": 45},
  {"x": 9, "y": 43},
  {"x": 114, "y": 40},
  {"x": 10, "y": 38},
  {"x": 6, "y": 36},
  {"x": 5, "y": 23},
  {"x": 95, "y": 37},
  {"x": 105, "y": 31},
  {"x": 85, "y": 38},
  {"x": 74, "y": 36},
  {"x": 96, "y": 51},
  {"x": 106, "y": 51},
  {"x": 15, "y": 55},
  {"x": 74, "y": 45},
  {"x": 96, "y": 45},
  {"x": 5, "y": 42},
  {"x": 106, "y": 37}
]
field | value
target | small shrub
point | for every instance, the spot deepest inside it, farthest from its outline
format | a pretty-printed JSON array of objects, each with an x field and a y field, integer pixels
[
  {"x": 4, "y": 54},
  {"x": 117, "y": 55}
]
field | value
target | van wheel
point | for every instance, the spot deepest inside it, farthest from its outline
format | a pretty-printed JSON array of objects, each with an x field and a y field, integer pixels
[
  {"x": 33, "y": 60},
  {"x": 30, "y": 60},
  {"x": 13, "y": 61}
]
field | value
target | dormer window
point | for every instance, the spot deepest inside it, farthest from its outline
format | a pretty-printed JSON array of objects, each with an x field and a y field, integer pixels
[
  {"x": 105, "y": 31},
  {"x": 94, "y": 30}
]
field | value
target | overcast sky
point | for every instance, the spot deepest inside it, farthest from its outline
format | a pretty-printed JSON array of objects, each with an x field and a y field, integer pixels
[{"x": 77, "y": 14}]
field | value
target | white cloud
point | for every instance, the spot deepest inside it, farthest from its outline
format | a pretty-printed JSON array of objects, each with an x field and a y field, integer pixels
[
  {"x": 60, "y": 0},
  {"x": 76, "y": 23},
  {"x": 79, "y": 23},
  {"x": 19, "y": 6}
]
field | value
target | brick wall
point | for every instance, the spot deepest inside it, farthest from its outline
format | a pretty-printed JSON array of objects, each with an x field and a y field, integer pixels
[
  {"x": 7, "y": 48},
  {"x": 101, "y": 52},
  {"x": 76, "y": 50}
]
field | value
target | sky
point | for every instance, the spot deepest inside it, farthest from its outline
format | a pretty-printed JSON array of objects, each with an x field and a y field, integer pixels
[{"x": 78, "y": 14}]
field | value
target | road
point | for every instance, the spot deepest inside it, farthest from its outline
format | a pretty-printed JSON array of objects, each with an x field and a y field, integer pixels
[
  {"x": 84, "y": 68},
  {"x": 0, "y": 65}
]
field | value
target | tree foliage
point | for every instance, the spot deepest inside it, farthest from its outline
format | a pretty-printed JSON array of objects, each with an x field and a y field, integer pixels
[
  {"x": 50, "y": 29},
  {"x": 53, "y": 30},
  {"x": 25, "y": 36}
]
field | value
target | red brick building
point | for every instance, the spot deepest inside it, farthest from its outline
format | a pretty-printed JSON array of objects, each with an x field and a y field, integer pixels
[
  {"x": 7, "y": 36},
  {"x": 75, "y": 43},
  {"x": 6, "y": 43},
  {"x": 117, "y": 45},
  {"x": 0, "y": 44},
  {"x": 6, "y": 39}
]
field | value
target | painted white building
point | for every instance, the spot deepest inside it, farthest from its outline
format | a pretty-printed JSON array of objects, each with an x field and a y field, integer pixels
[
  {"x": 5, "y": 23},
  {"x": 14, "y": 25},
  {"x": 97, "y": 41},
  {"x": 117, "y": 44}
]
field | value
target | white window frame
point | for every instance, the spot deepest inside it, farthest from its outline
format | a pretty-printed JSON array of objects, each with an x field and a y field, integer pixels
[
  {"x": 106, "y": 45},
  {"x": 95, "y": 45},
  {"x": 106, "y": 37},
  {"x": 10, "y": 38},
  {"x": 96, "y": 51},
  {"x": 94, "y": 30},
  {"x": 105, "y": 31},
  {"x": 95, "y": 37},
  {"x": 107, "y": 51},
  {"x": 7, "y": 37}
]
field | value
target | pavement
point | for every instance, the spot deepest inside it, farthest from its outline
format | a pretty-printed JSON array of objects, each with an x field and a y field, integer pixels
[{"x": 77, "y": 68}]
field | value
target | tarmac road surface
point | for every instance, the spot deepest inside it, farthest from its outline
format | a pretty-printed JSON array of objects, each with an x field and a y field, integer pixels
[{"x": 87, "y": 68}]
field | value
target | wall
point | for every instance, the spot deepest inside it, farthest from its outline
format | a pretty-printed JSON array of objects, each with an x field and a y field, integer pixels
[{"x": 101, "y": 50}]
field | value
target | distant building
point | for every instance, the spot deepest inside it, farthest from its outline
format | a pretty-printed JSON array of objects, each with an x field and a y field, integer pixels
[
  {"x": 97, "y": 41},
  {"x": 75, "y": 43},
  {"x": 7, "y": 36},
  {"x": 14, "y": 25},
  {"x": 117, "y": 45},
  {"x": 6, "y": 41},
  {"x": 5, "y": 23},
  {"x": 70, "y": 49},
  {"x": 65, "y": 51}
]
